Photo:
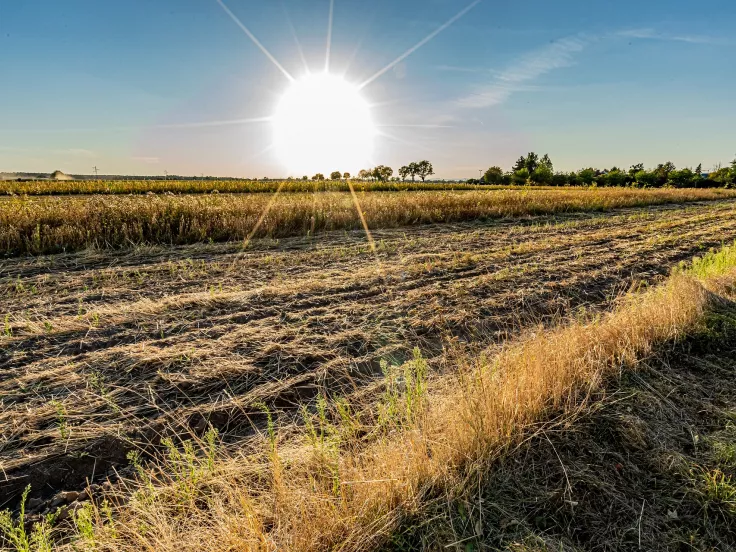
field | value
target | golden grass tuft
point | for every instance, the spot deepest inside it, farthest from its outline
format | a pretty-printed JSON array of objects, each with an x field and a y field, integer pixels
[{"x": 336, "y": 491}]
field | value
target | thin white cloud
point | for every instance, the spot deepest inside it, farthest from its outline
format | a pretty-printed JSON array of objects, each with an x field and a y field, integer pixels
[
  {"x": 147, "y": 160},
  {"x": 461, "y": 69},
  {"x": 557, "y": 55},
  {"x": 651, "y": 34},
  {"x": 76, "y": 152},
  {"x": 515, "y": 78}
]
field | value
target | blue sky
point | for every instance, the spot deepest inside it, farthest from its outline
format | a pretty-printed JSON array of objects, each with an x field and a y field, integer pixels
[{"x": 141, "y": 87}]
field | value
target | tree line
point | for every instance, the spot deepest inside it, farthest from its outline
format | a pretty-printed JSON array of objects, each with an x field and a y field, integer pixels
[
  {"x": 533, "y": 170},
  {"x": 382, "y": 173}
]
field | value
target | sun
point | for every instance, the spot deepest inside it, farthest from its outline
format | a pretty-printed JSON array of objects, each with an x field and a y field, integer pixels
[{"x": 323, "y": 124}]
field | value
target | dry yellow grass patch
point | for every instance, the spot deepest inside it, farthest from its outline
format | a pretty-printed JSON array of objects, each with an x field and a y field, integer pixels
[{"x": 326, "y": 488}]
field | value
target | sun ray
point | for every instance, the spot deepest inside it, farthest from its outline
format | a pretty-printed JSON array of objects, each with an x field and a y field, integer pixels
[
  {"x": 415, "y": 144},
  {"x": 258, "y": 154},
  {"x": 255, "y": 40},
  {"x": 421, "y": 43},
  {"x": 263, "y": 216},
  {"x": 368, "y": 235},
  {"x": 329, "y": 36},
  {"x": 204, "y": 124},
  {"x": 296, "y": 39},
  {"x": 415, "y": 126},
  {"x": 201, "y": 124}
]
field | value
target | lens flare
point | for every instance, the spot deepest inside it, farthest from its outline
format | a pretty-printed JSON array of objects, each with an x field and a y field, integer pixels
[{"x": 321, "y": 124}]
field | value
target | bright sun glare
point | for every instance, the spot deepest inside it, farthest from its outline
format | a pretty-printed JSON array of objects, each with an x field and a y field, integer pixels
[{"x": 322, "y": 124}]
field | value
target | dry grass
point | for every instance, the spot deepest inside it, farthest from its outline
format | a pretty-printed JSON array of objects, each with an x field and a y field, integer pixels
[
  {"x": 43, "y": 225},
  {"x": 106, "y": 348},
  {"x": 336, "y": 491}
]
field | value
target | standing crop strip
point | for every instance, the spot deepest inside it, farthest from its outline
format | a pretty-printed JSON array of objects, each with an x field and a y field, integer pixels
[{"x": 55, "y": 224}]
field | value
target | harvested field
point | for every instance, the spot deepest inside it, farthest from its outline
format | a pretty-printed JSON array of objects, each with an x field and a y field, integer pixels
[
  {"x": 105, "y": 352},
  {"x": 48, "y": 225}
]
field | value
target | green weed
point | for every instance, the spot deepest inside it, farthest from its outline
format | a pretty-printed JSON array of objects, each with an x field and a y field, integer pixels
[
  {"x": 15, "y": 534},
  {"x": 61, "y": 419}
]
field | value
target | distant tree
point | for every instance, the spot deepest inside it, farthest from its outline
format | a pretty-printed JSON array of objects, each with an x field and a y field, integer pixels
[
  {"x": 721, "y": 177},
  {"x": 305, "y": 177},
  {"x": 636, "y": 168},
  {"x": 424, "y": 169},
  {"x": 335, "y": 175},
  {"x": 520, "y": 177},
  {"x": 364, "y": 174},
  {"x": 406, "y": 171},
  {"x": 382, "y": 173},
  {"x": 494, "y": 175},
  {"x": 684, "y": 178},
  {"x": 541, "y": 176},
  {"x": 318, "y": 176},
  {"x": 546, "y": 162},
  {"x": 699, "y": 169},
  {"x": 559, "y": 179},
  {"x": 662, "y": 173},
  {"x": 413, "y": 170},
  {"x": 532, "y": 162},
  {"x": 613, "y": 178},
  {"x": 346, "y": 176},
  {"x": 645, "y": 179},
  {"x": 587, "y": 176}
]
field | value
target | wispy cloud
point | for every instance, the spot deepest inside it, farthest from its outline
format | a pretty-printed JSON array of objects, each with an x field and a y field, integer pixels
[
  {"x": 652, "y": 34},
  {"x": 529, "y": 67},
  {"x": 147, "y": 160},
  {"x": 76, "y": 152},
  {"x": 461, "y": 69}
]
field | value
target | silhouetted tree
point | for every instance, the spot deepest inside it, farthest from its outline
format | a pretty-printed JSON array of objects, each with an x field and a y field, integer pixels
[
  {"x": 382, "y": 173},
  {"x": 520, "y": 164},
  {"x": 335, "y": 175},
  {"x": 541, "y": 176},
  {"x": 405, "y": 171},
  {"x": 587, "y": 176},
  {"x": 520, "y": 177},
  {"x": 546, "y": 162},
  {"x": 494, "y": 175},
  {"x": 424, "y": 169}
]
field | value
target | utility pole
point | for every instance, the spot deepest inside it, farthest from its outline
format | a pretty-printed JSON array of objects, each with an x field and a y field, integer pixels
[
  {"x": 480, "y": 171},
  {"x": 166, "y": 175},
  {"x": 95, "y": 169}
]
